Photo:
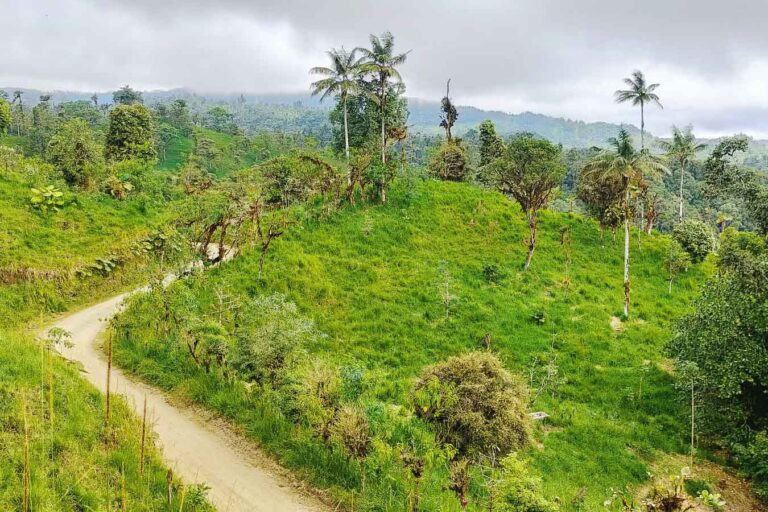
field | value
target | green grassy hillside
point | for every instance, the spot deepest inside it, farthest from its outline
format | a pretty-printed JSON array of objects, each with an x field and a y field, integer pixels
[
  {"x": 74, "y": 464},
  {"x": 431, "y": 274}
]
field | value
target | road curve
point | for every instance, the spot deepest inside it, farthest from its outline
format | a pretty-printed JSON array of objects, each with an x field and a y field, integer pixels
[{"x": 241, "y": 479}]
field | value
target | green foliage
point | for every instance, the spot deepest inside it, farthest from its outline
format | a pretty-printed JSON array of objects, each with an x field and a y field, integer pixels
[
  {"x": 449, "y": 162},
  {"x": 269, "y": 336},
  {"x": 351, "y": 430},
  {"x": 75, "y": 154},
  {"x": 84, "y": 110},
  {"x": 529, "y": 170},
  {"x": 72, "y": 467},
  {"x": 491, "y": 145},
  {"x": 518, "y": 490},
  {"x": 126, "y": 96},
  {"x": 221, "y": 120},
  {"x": 474, "y": 404},
  {"x": 752, "y": 458},
  {"x": 695, "y": 237},
  {"x": 724, "y": 336},
  {"x": 130, "y": 135},
  {"x": 118, "y": 188},
  {"x": 676, "y": 261},
  {"x": 5, "y": 116},
  {"x": 47, "y": 198}
]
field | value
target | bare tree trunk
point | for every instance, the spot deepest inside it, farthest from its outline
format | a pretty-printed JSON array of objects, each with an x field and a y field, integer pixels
[
  {"x": 346, "y": 130},
  {"x": 383, "y": 131},
  {"x": 532, "y": 222},
  {"x": 682, "y": 173},
  {"x": 642, "y": 126},
  {"x": 693, "y": 423},
  {"x": 626, "y": 262},
  {"x": 383, "y": 139}
]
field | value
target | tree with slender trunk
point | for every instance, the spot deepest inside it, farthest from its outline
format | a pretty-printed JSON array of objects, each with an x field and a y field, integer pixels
[
  {"x": 640, "y": 92},
  {"x": 341, "y": 79},
  {"x": 681, "y": 150},
  {"x": 17, "y": 97},
  {"x": 381, "y": 62},
  {"x": 529, "y": 171},
  {"x": 623, "y": 163}
]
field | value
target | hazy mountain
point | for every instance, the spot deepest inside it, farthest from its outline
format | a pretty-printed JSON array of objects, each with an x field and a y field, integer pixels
[{"x": 424, "y": 117}]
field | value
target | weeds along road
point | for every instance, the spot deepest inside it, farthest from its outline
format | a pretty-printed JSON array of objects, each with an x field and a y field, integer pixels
[{"x": 241, "y": 479}]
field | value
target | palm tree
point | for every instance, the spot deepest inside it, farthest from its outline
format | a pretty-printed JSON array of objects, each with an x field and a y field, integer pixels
[
  {"x": 340, "y": 79},
  {"x": 17, "y": 97},
  {"x": 380, "y": 61},
  {"x": 625, "y": 164},
  {"x": 639, "y": 93},
  {"x": 681, "y": 149}
]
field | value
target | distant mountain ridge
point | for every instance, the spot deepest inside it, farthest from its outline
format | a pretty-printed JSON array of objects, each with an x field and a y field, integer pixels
[{"x": 424, "y": 115}]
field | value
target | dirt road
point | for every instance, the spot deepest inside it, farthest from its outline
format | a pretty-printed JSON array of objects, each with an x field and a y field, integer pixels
[{"x": 241, "y": 479}]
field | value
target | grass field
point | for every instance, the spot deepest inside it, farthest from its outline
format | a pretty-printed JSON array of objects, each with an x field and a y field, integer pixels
[{"x": 394, "y": 288}]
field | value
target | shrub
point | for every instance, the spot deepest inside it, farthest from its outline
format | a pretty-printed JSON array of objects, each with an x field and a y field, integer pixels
[
  {"x": 695, "y": 237},
  {"x": 74, "y": 153},
  {"x": 351, "y": 430},
  {"x": 269, "y": 338},
  {"x": 519, "y": 491},
  {"x": 474, "y": 404},
  {"x": 753, "y": 460},
  {"x": 449, "y": 162}
]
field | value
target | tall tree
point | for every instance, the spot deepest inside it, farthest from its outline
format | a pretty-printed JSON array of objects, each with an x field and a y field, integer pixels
[
  {"x": 126, "y": 96},
  {"x": 5, "y": 116},
  {"x": 129, "y": 135},
  {"x": 625, "y": 165},
  {"x": 491, "y": 145},
  {"x": 43, "y": 124},
  {"x": 381, "y": 62},
  {"x": 340, "y": 79},
  {"x": 681, "y": 149},
  {"x": 19, "y": 102},
  {"x": 639, "y": 93},
  {"x": 450, "y": 114},
  {"x": 75, "y": 153},
  {"x": 529, "y": 171}
]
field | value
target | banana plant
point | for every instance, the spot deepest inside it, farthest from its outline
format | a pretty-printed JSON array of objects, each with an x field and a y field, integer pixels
[{"x": 47, "y": 198}]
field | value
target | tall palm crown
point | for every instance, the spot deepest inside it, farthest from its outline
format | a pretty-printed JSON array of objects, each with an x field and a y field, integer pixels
[
  {"x": 341, "y": 78},
  {"x": 623, "y": 161},
  {"x": 640, "y": 92},
  {"x": 381, "y": 62},
  {"x": 681, "y": 149}
]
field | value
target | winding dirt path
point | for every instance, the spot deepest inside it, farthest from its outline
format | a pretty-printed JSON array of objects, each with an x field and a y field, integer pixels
[{"x": 241, "y": 479}]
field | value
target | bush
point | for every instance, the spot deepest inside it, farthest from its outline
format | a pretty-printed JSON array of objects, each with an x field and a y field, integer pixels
[
  {"x": 449, "y": 162},
  {"x": 695, "y": 237},
  {"x": 270, "y": 338},
  {"x": 350, "y": 429},
  {"x": 474, "y": 404},
  {"x": 518, "y": 490},
  {"x": 753, "y": 460}
]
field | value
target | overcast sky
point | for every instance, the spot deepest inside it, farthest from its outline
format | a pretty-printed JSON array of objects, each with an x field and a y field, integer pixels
[{"x": 557, "y": 57}]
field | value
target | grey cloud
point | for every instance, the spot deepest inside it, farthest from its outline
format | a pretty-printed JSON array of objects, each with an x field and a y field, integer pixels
[{"x": 560, "y": 57}]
